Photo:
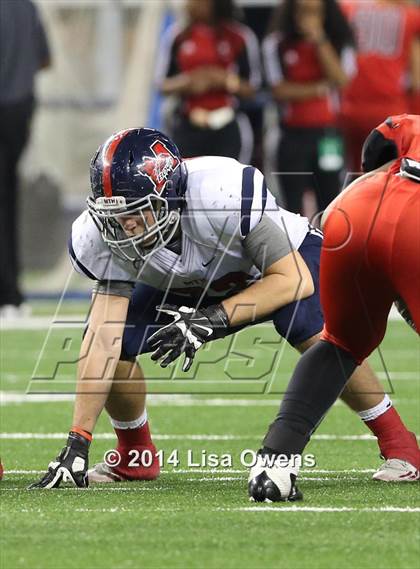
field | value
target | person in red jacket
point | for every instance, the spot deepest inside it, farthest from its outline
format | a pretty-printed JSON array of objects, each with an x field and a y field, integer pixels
[
  {"x": 370, "y": 259},
  {"x": 309, "y": 56},
  {"x": 388, "y": 62}
]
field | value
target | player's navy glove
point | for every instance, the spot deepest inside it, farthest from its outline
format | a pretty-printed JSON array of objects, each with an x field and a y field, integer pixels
[
  {"x": 189, "y": 330},
  {"x": 71, "y": 465}
]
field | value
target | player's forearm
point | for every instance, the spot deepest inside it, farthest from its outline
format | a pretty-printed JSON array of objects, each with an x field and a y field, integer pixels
[
  {"x": 239, "y": 87},
  {"x": 96, "y": 371},
  {"x": 265, "y": 297},
  {"x": 292, "y": 91},
  {"x": 415, "y": 77},
  {"x": 177, "y": 85},
  {"x": 331, "y": 64},
  {"x": 415, "y": 66}
]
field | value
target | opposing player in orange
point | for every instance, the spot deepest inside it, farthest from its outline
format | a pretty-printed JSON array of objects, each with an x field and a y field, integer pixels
[{"x": 370, "y": 259}]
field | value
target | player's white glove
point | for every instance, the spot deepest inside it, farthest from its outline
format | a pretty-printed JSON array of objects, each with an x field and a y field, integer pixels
[
  {"x": 71, "y": 465},
  {"x": 189, "y": 330}
]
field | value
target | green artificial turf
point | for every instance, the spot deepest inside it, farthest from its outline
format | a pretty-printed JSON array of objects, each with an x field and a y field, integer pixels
[{"x": 198, "y": 516}]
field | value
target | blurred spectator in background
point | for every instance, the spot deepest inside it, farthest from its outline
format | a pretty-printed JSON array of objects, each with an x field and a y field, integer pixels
[
  {"x": 208, "y": 64},
  {"x": 388, "y": 60},
  {"x": 23, "y": 52},
  {"x": 308, "y": 56}
]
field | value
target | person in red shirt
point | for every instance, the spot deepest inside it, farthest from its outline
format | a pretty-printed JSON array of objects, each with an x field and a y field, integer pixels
[
  {"x": 208, "y": 64},
  {"x": 308, "y": 56},
  {"x": 370, "y": 259},
  {"x": 388, "y": 61}
]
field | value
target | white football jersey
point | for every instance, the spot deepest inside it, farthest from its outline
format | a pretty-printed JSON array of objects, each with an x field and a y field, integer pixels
[{"x": 224, "y": 201}]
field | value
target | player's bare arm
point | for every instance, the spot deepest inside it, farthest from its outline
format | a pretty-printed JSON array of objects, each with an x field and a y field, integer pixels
[
  {"x": 293, "y": 91},
  {"x": 285, "y": 281},
  {"x": 99, "y": 355}
]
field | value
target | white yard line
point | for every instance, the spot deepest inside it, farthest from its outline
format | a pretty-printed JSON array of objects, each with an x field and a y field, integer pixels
[
  {"x": 213, "y": 471},
  {"x": 101, "y": 510},
  {"x": 217, "y": 479},
  {"x": 180, "y": 437},
  {"x": 44, "y": 322},
  {"x": 137, "y": 488},
  {"x": 79, "y": 320},
  {"x": 11, "y": 397},
  {"x": 399, "y": 375},
  {"x": 280, "y": 509},
  {"x": 263, "y": 508},
  {"x": 175, "y": 400}
]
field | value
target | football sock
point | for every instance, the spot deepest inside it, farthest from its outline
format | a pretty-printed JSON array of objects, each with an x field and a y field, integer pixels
[
  {"x": 132, "y": 434},
  {"x": 316, "y": 383},
  {"x": 135, "y": 435},
  {"x": 370, "y": 414},
  {"x": 394, "y": 440}
]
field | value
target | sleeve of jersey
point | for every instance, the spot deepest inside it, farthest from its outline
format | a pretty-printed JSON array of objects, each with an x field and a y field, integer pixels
[
  {"x": 253, "y": 199},
  {"x": 271, "y": 59},
  {"x": 78, "y": 264},
  {"x": 90, "y": 256},
  {"x": 267, "y": 243}
]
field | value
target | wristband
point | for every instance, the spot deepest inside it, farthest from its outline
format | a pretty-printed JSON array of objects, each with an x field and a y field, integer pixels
[{"x": 218, "y": 318}]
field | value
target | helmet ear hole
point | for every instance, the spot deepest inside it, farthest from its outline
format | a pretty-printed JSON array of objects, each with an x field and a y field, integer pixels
[
  {"x": 377, "y": 151},
  {"x": 130, "y": 158}
]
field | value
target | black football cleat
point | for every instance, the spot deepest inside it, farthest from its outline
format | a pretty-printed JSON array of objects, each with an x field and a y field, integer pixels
[{"x": 273, "y": 483}]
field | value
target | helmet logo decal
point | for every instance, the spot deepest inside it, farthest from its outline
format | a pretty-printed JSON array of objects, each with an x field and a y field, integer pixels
[{"x": 159, "y": 168}]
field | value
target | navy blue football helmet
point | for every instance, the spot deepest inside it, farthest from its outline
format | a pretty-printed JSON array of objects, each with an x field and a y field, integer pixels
[{"x": 137, "y": 172}]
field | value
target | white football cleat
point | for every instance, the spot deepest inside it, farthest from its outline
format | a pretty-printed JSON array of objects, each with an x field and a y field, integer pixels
[
  {"x": 270, "y": 481},
  {"x": 102, "y": 473},
  {"x": 396, "y": 470}
]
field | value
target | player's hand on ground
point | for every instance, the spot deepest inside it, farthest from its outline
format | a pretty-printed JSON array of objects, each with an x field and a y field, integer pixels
[
  {"x": 71, "y": 465},
  {"x": 188, "y": 331}
]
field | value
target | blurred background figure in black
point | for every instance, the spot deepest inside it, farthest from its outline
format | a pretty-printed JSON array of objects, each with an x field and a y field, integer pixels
[
  {"x": 23, "y": 52},
  {"x": 388, "y": 61},
  {"x": 309, "y": 56},
  {"x": 208, "y": 64}
]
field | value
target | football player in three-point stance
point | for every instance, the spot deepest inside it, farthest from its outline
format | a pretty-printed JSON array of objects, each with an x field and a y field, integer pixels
[
  {"x": 183, "y": 252},
  {"x": 370, "y": 259}
]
